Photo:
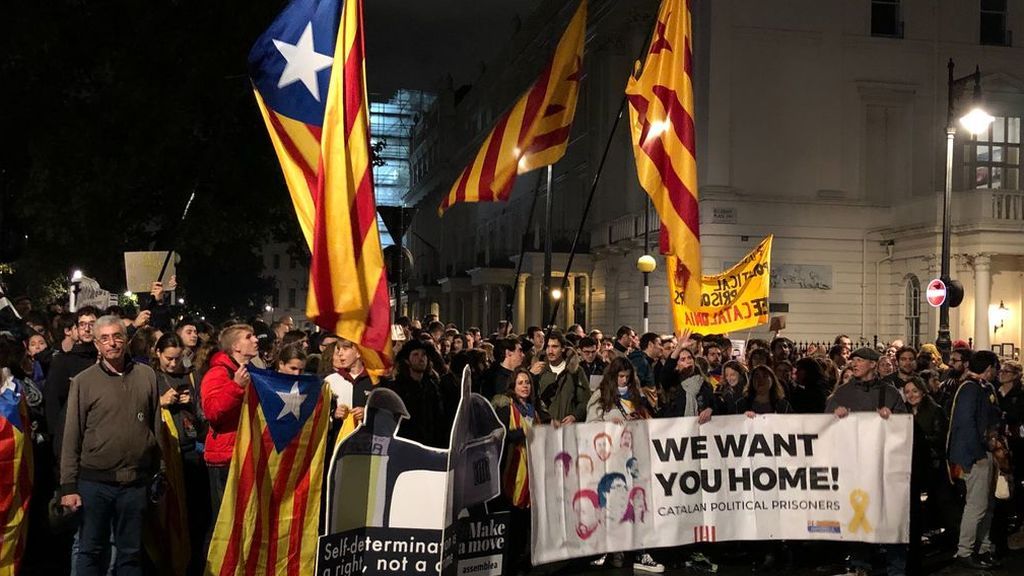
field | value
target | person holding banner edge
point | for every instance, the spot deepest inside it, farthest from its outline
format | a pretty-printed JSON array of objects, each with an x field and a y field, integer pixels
[{"x": 866, "y": 392}]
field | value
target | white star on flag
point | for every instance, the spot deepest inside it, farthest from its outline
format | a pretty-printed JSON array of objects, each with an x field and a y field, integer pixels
[
  {"x": 292, "y": 402},
  {"x": 303, "y": 62}
]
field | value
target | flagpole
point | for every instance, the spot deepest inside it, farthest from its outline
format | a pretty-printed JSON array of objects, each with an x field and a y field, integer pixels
[
  {"x": 167, "y": 258},
  {"x": 547, "y": 254},
  {"x": 522, "y": 253},
  {"x": 586, "y": 207},
  {"x": 597, "y": 178}
]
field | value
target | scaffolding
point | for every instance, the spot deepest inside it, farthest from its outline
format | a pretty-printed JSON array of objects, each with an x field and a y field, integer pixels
[{"x": 391, "y": 122}]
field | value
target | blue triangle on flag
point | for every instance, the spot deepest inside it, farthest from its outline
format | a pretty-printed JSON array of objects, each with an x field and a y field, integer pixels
[
  {"x": 10, "y": 403},
  {"x": 286, "y": 400}
]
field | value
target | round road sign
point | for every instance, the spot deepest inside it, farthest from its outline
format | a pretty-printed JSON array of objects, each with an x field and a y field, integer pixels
[{"x": 936, "y": 292}]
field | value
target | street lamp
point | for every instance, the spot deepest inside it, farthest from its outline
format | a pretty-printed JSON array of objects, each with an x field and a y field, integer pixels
[
  {"x": 976, "y": 121},
  {"x": 646, "y": 264}
]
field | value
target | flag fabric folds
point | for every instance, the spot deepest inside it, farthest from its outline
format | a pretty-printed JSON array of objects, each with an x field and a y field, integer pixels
[
  {"x": 166, "y": 531},
  {"x": 269, "y": 518},
  {"x": 16, "y": 475},
  {"x": 308, "y": 74},
  {"x": 661, "y": 113},
  {"x": 534, "y": 132}
]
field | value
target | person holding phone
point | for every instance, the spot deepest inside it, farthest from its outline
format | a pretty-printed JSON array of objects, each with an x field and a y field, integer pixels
[{"x": 183, "y": 419}]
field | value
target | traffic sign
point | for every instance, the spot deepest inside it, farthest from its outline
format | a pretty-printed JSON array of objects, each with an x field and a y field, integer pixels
[{"x": 936, "y": 292}]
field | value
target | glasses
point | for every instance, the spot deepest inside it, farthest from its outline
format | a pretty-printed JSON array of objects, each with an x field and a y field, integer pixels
[
  {"x": 86, "y": 324},
  {"x": 110, "y": 339}
]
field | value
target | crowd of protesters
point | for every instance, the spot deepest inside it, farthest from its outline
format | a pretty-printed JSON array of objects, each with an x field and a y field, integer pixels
[{"x": 98, "y": 445}]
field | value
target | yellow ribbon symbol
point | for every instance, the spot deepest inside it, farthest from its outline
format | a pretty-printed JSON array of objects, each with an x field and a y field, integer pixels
[{"x": 859, "y": 502}]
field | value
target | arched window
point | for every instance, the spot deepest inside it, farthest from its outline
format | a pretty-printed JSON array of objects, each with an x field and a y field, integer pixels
[{"x": 913, "y": 311}]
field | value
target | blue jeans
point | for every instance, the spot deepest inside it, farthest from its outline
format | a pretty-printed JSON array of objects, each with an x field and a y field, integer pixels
[{"x": 107, "y": 507}]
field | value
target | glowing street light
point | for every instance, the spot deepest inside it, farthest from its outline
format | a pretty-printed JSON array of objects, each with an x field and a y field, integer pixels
[
  {"x": 976, "y": 121},
  {"x": 556, "y": 293}
]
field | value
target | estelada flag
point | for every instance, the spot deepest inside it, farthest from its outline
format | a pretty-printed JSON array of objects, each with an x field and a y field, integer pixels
[
  {"x": 269, "y": 517},
  {"x": 16, "y": 475},
  {"x": 533, "y": 133},
  {"x": 307, "y": 71},
  {"x": 664, "y": 141}
]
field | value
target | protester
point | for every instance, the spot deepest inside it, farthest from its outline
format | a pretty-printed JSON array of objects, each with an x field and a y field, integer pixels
[
  {"x": 110, "y": 453},
  {"x": 563, "y": 387},
  {"x": 222, "y": 391},
  {"x": 686, "y": 391},
  {"x": 63, "y": 368},
  {"x": 866, "y": 392},
  {"x": 499, "y": 376},
  {"x": 645, "y": 357},
  {"x": 763, "y": 395},
  {"x": 731, "y": 387},
  {"x": 178, "y": 398},
  {"x": 975, "y": 413},
  {"x": 416, "y": 383},
  {"x": 517, "y": 410}
]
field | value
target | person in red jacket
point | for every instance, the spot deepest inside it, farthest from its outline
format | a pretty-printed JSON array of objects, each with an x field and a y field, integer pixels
[{"x": 221, "y": 395}]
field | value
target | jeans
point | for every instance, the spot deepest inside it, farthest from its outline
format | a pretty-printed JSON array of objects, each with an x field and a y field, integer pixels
[
  {"x": 106, "y": 507},
  {"x": 976, "y": 522}
]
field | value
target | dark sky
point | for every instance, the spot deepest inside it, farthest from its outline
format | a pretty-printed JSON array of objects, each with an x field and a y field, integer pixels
[{"x": 414, "y": 43}]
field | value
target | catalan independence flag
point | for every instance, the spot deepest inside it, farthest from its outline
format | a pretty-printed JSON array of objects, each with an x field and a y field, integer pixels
[
  {"x": 661, "y": 115},
  {"x": 308, "y": 75},
  {"x": 15, "y": 477},
  {"x": 269, "y": 518},
  {"x": 533, "y": 133}
]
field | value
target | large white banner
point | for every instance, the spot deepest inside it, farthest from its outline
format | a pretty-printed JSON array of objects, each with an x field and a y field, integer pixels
[{"x": 604, "y": 487}]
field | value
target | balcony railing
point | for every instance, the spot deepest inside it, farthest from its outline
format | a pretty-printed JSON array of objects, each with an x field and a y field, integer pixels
[
  {"x": 1007, "y": 205},
  {"x": 626, "y": 227}
]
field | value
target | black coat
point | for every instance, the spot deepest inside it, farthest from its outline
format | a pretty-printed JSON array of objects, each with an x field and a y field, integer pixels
[
  {"x": 426, "y": 423},
  {"x": 63, "y": 368}
]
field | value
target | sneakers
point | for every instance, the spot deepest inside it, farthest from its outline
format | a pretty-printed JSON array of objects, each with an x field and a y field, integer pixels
[
  {"x": 599, "y": 562},
  {"x": 644, "y": 563},
  {"x": 975, "y": 562}
]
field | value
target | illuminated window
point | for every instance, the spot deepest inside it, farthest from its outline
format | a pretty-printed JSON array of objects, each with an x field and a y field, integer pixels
[{"x": 992, "y": 159}]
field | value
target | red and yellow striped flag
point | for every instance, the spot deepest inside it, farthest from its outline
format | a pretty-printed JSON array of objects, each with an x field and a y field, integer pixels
[
  {"x": 661, "y": 115},
  {"x": 534, "y": 132},
  {"x": 269, "y": 517},
  {"x": 16, "y": 476},
  {"x": 309, "y": 78}
]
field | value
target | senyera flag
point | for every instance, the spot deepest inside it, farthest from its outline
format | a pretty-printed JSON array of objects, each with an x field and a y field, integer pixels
[
  {"x": 661, "y": 116},
  {"x": 15, "y": 475},
  {"x": 269, "y": 518},
  {"x": 533, "y": 133},
  {"x": 307, "y": 71}
]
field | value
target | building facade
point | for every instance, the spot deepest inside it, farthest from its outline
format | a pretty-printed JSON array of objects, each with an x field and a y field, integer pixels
[{"x": 823, "y": 123}]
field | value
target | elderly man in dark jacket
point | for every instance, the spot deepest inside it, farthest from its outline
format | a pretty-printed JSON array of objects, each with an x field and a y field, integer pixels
[
  {"x": 866, "y": 392},
  {"x": 975, "y": 413}
]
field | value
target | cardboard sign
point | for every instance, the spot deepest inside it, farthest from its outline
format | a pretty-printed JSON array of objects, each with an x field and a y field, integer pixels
[{"x": 141, "y": 269}]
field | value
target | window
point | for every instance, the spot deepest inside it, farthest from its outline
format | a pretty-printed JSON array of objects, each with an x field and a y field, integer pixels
[
  {"x": 885, "y": 19},
  {"x": 993, "y": 23},
  {"x": 291, "y": 297},
  {"x": 913, "y": 314},
  {"x": 992, "y": 159}
]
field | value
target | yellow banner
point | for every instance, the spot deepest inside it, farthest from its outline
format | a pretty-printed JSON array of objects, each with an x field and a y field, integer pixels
[{"x": 733, "y": 300}]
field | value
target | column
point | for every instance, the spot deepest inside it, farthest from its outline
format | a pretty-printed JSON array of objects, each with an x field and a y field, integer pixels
[
  {"x": 484, "y": 320},
  {"x": 982, "y": 293},
  {"x": 569, "y": 301},
  {"x": 520, "y": 304}
]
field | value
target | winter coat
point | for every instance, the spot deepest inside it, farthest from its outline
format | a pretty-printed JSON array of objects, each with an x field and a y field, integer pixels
[
  {"x": 567, "y": 393},
  {"x": 221, "y": 399},
  {"x": 63, "y": 368},
  {"x": 975, "y": 412}
]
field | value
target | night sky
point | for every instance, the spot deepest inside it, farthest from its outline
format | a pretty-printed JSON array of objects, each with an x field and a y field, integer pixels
[{"x": 114, "y": 112}]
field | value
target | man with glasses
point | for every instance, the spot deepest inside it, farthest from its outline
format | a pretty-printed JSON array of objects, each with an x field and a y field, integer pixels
[
  {"x": 110, "y": 453},
  {"x": 591, "y": 364},
  {"x": 65, "y": 367}
]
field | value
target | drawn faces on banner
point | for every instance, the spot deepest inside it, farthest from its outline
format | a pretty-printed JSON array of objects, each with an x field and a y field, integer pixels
[{"x": 609, "y": 480}]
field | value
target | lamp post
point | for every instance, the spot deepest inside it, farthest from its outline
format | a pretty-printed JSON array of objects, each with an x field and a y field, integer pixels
[
  {"x": 646, "y": 264},
  {"x": 975, "y": 121}
]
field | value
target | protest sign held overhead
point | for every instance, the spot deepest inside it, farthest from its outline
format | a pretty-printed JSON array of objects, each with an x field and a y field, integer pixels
[
  {"x": 602, "y": 488},
  {"x": 736, "y": 299}
]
